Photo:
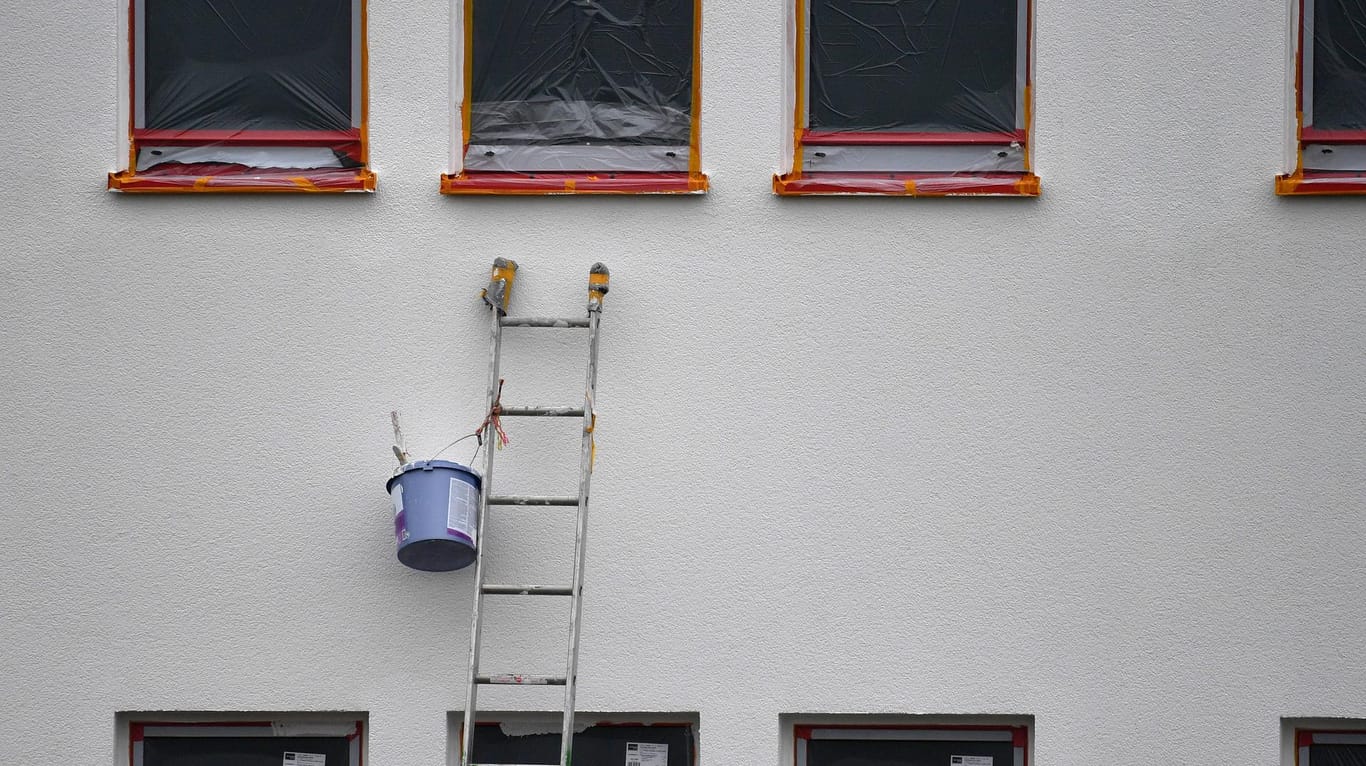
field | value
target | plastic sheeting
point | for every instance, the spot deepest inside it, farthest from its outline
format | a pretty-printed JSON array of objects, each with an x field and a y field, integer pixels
[
  {"x": 1339, "y": 64},
  {"x": 556, "y": 72},
  {"x": 1337, "y": 755},
  {"x": 240, "y": 751},
  {"x": 302, "y": 157},
  {"x": 853, "y": 752},
  {"x": 594, "y": 745},
  {"x": 246, "y": 64},
  {"x": 914, "y": 65}
]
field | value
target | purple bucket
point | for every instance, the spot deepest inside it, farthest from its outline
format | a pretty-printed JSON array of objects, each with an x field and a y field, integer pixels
[{"x": 436, "y": 514}]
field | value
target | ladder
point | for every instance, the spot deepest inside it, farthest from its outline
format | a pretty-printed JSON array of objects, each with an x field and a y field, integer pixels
[{"x": 497, "y": 296}]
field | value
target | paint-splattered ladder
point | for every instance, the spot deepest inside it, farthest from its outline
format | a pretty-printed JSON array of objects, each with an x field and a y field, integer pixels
[{"x": 497, "y": 297}]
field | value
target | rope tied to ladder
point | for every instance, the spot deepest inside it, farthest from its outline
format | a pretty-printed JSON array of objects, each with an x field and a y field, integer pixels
[{"x": 493, "y": 419}]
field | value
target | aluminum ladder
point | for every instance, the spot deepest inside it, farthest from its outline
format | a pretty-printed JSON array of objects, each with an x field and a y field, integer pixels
[{"x": 497, "y": 296}]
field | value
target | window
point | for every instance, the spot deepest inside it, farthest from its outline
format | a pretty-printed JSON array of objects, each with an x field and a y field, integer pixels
[
  {"x": 1329, "y": 92},
  {"x": 1330, "y": 748},
  {"x": 647, "y": 739},
  {"x": 913, "y": 97},
  {"x": 1331, "y": 745},
  {"x": 246, "y": 95},
  {"x": 565, "y": 97},
  {"x": 910, "y": 745},
  {"x": 302, "y": 741}
]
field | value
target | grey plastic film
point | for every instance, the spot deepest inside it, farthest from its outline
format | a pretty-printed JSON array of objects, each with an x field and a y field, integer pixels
[
  {"x": 241, "y": 751},
  {"x": 933, "y": 159},
  {"x": 916, "y": 65},
  {"x": 302, "y": 157},
  {"x": 592, "y": 745},
  {"x": 248, "y": 64},
  {"x": 1336, "y": 755},
  {"x": 1334, "y": 157},
  {"x": 522, "y": 158},
  {"x": 574, "y": 72},
  {"x": 861, "y": 752},
  {"x": 1337, "y": 61}
]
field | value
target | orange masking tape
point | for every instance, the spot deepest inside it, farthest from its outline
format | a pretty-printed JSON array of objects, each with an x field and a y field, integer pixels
[
  {"x": 695, "y": 128},
  {"x": 468, "y": 56},
  {"x": 800, "y": 106},
  {"x": 365, "y": 87}
]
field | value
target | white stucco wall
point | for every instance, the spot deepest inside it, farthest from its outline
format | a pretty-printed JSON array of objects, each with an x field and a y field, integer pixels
[{"x": 1095, "y": 458}]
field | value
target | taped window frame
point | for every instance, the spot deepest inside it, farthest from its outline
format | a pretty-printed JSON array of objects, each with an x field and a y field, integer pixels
[
  {"x": 802, "y": 733},
  {"x": 354, "y": 141},
  {"x": 1305, "y": 739},
  {"x": 1309, "y": 143},
  {"x": 461, "y": 180},
  {"x": 138, "y": 728},
  {"x": 873, "y": 170},
  {"x": 553, "y": 720}
]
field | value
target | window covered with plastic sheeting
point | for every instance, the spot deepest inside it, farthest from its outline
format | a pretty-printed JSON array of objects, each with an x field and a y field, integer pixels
[
  {"x": 564, "y": 96},
  {"x": 246, "y": 95},
  {"x": 852, "y": 745},
  {"x": 911, "y": 97},
  {"x": 656, "y": 744},
  {"x": 1329, "y": 152},
  {"x": 951, "y": 66},
  {"x": 245, "y": 743},
  {"x": 1330, "y": 748}
]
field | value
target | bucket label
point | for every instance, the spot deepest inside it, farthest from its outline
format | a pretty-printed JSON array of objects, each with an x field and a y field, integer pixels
[
  {"x": 462, "y": 511},
  {"x": 647, "y": 754},
  {"x": 305, "y": 759},
  {"x": 400, "y": 518}
]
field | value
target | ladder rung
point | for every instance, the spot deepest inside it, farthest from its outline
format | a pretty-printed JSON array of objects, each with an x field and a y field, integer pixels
[
  {"x": 531, "y": 500},
  {"x": 517, "y": 680},
  {"x": 527, "y": 590},
  {"x": 542, "y": 322},
  {"x": 547, "y": 412}
]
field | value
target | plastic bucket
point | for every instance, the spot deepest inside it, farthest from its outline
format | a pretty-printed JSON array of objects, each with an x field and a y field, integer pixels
[{"x": 436, "y": 514}]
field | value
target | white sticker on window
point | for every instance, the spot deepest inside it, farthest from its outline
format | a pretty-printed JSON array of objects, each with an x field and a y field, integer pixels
[
  {"x": 969, "y": 760},
  {"x": 462, "y": 510},
  {"x": 305, "y": 759},
  {"x": 646, "y": 754}
]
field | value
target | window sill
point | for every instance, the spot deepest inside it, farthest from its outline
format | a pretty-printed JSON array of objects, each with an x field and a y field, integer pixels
[
  {"x": 216, "y": 178},
  {"x": 492, "y": 183},
  {"x": 909, "y": 184},
  {"x": 1307, "y": 183}
]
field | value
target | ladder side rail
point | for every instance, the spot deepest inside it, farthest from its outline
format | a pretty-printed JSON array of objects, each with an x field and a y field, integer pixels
[
  {"x": 581, "y": 531},
  {"x": 490, "y": 436}
]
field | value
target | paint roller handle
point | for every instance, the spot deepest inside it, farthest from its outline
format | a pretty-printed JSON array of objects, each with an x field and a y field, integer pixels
[{"x": 598, "y": 277}]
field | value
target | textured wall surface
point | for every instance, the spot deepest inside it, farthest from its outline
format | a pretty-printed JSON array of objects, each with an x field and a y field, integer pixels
[{"x": 1095, "y": 458}]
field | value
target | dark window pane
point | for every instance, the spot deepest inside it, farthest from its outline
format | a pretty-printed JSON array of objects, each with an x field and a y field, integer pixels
[
  {"x": 579, "y": 71},
  {"x": 595, "y": 746},
  {"x": 913, "y": 65},
  {"x": 248, "y": 64},
  {"x": 1340, "y": 64},
  {"x": 852, "y": 752},
  {"x": 240, "y": 751},
  {"x": 1337, "y": 755}
]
